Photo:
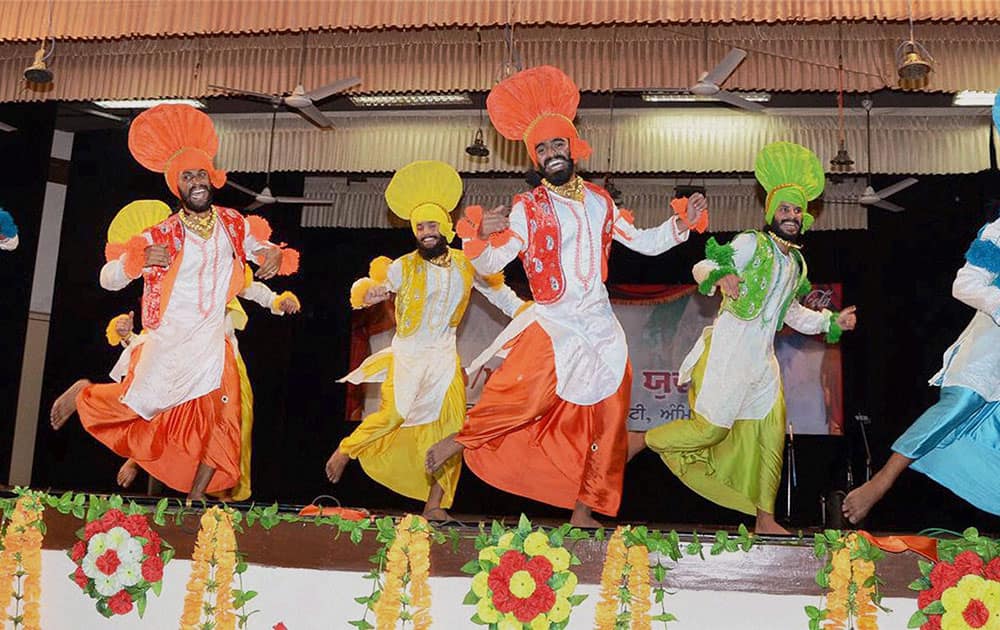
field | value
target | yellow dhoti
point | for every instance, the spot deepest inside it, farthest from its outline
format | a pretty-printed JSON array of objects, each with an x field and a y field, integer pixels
[
  {"x": 393, "y": 454},
  {"x": 738, "y": 468}
]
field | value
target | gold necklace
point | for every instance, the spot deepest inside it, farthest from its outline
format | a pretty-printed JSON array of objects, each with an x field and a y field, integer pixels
[
  {"x": 573, "y": 189},
  {"x": 200, "y": 225},
  {"x": 781, "y": 241},
  {"x": 444, "y": 260}
]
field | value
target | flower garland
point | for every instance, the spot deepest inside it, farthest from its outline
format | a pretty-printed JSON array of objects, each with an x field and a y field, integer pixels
[
  {"x": 213, "y": 566},
  {"x": 21, "y": 557},
  {"x": 118, "y": 559},
  {"x": 411, "y": 546},
  {"x": 853, "y": 586},
  {"x": 625, "y": 588},
  {"x": 962, "y": 590},
  {"x": 522, "y": 579}
]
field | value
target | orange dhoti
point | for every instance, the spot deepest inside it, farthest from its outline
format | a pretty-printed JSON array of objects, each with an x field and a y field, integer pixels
[
  {"x": 522, "y": 438},
  {"x": 171, "y": 444}
]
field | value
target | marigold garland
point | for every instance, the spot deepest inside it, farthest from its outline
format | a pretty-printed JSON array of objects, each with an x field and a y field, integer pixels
[
  {"x": 213, "y": 566},
  {"x": 852, "y": 591},
  {"x": 625, "y": 588},
  {"x": 21, "y": 557},
  {"x": 411, "y": 547}
]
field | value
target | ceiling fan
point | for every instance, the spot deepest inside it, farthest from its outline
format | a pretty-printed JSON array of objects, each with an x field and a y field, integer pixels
[
  {"x": 710, "y": 83},
  {"x": 299, "y": 99},
  {"x": 869, "y": 196},
  {"x": 265, "y": 196}
]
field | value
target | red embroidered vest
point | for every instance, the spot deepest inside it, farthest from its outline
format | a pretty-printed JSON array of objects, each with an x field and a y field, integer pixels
[
  {"x": 170, "y": 234},
  {"x": 542, "y": 255}
]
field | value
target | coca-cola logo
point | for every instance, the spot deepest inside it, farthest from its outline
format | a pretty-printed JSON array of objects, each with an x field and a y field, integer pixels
[{"x": 818, "y": 299}]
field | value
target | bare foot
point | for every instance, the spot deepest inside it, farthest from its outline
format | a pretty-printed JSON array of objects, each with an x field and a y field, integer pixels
[
  {"x": 583, "y": 517},
  {"x": 441, "y": 452},
  {"x": 436, "y": 514},
  {"x": 127, "y": 473},
  {"x": 65, "y": 406},
  {"x": 767, "y": 525},
  {"x": 335, "y": 465},
  {"x": 860, "y": 501}
]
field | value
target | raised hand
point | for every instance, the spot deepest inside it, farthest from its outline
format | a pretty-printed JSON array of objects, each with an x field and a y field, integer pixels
[
  {"x": 289, "y": 306},
  {"x": 696, "y": 205},
  {"x": 272, "y": 262},
  {"x": 495, "y": 220},
  {"x": 730, "y": 285},
  {"x": 847, "y": 319},
  {"x": 376, "y": 294},
  {"x": 124, "y": 325}
]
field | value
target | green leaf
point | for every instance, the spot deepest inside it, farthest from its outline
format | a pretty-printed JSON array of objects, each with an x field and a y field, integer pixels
[
  {"x": 161, "y": 509},
  {"x": 156, "y": 587},
  {"x": 140, "y": 605},
  {"x": 356, "y": 536},
  {"x": 524, "y": 525},
  {"x": 917, "y": 619},
  {"x": 361, "y": 624},
  {"x": 115, "y": 502},
  {"x": 471, "y": 599},
  {"x": 814, "y": 612},
  {"x": 933, "y": 608},
  {"x": 664, "y": 617},
  {"x": 558, "y": 580},
  {"x": 496, "y": 530},
  {"x": 576, "y": 600},
  {"x": 599, "y": 534}
]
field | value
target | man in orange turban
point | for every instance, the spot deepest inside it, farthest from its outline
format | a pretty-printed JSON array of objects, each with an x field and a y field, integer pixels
[
  {"x": 176, "y": 412},
  {"x": 551, "y": 422}
]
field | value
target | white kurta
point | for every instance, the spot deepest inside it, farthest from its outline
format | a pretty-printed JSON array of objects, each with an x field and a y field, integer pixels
[
  {"x": 973, "y": 361},
  {"x": 424, "y": 362},
  {"x": 9, "y": 244},
  {"x": 183, "y": 358},
  {"x": 587, "y": 340},
  {"x": 742, "y": 377}
]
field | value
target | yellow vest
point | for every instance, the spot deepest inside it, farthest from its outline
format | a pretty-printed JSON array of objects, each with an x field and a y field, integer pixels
[{"x": 413, "y": 292}]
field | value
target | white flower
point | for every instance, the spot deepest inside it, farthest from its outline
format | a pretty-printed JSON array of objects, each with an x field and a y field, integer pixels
[
  {"x": 107, "y": 585},
  {"x": 130, "y": 551},
  {"x": 98, "y": 544},
  {"x": 89, "y": 565},
  {"x": 129, "y": 573},
  {"x": 117, "y": 537}
]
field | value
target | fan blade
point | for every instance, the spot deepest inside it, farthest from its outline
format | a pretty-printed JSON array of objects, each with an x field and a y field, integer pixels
[
  {"x": 254, "y": 206},
  {"x": 242, "y": 189},
  {"x": 889, "y": 191},
  {"x": 221, "y": 88},
  {"x": 735, "y": 99},
  {"x": 316, "y": 117},
  {"x": 888, "y": 205},
  {"x": 306, "y": 201},
  {"x": 726, "y": 67},
  {"x": 5, "y": 127},
  {"x": 333, "y": 88}
]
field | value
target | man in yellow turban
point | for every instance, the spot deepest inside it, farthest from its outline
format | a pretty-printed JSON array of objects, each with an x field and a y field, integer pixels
[
  {"x": 423, "y": 388},
  {"x": 730, "y": 450},
  {"x": 551, "y": 422},
  {"x": 176, "y": 413}
]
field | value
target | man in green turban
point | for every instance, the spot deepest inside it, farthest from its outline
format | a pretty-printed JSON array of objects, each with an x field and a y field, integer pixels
[{"x": 730, "y": 449}]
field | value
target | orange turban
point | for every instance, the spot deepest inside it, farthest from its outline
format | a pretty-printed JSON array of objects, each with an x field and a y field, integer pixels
[
  {"x": 535, "y": 105},
  {"x": 171, "y": 139}
]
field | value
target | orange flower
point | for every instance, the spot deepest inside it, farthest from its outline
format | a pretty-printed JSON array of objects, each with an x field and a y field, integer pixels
[{"x": 611, "y": 577}]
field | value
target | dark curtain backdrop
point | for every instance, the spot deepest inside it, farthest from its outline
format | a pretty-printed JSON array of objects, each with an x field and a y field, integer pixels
[
  {"x": 899, "y": 273},
  {"x": 24, "y": 169}
]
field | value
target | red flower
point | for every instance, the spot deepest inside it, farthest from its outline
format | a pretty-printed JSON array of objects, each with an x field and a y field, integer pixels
[
  {"x": 80, "y": 577},
  {"x": 969, "y": 562},
  {"x": 120, "y": 603},
  {"x": 113, "y": 518},
  {"x": 279, "y": 626},
  {"x": 976, "y": 614},
  {"x": 925, "y": 599},
  {"x": 524, "y": 608},
  {"x": 92, "y": 528},
  {"x": 79, "y": 551},
  {"x": 943, "y": 575},
  {"x": 136, "y": 525},
  {"x": 151, "y": 549},
  {"x": 107, "y": 563},
  {"x": 152, "y": 569},
  {"x": 992, "y": 570},
  {"x": 933, "y": 623}
]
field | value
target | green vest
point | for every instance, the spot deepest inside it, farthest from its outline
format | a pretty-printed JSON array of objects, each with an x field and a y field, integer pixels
[{"x": 756, "y": 278}]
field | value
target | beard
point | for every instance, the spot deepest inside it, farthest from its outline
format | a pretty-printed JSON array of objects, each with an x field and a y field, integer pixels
[
  {"x": 559, "y": 177},
  {"x": 439, "y": 248},
  {"x": 195, "y": 206},
  {"x": 776, "y": 227}
]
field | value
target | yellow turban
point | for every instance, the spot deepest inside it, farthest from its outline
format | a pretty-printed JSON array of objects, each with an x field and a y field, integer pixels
[
  {"x": 789, "y": 172},
  {"x": 425, "y": 190}
]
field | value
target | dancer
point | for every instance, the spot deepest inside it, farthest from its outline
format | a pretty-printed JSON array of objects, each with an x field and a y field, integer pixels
[
  {"x": 423, "y": 386},
  {"x": 957, "y": 441},
  {"x": 730, "y": 450},
  {"x": 551, "y": 422},
  {"x": 177, "y": 411}
]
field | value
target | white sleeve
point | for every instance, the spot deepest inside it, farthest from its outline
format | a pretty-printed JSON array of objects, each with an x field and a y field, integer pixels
[
  {"x": 113, "y": 276},
  {"x": 974, "y": 286},
  {"x": 743, "y": 248},
  {"x": 494, "y": 259},
  {"x": 394, "y": 276},
  {"x": 650, "y": 241},
  {"x": 250, "y": 244},
  {"x": 807, "y": 321},
  {"x": 502, "y": 297},
  {"x": 261, "y": 294},
  {"x": 9, "y": 244}
]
